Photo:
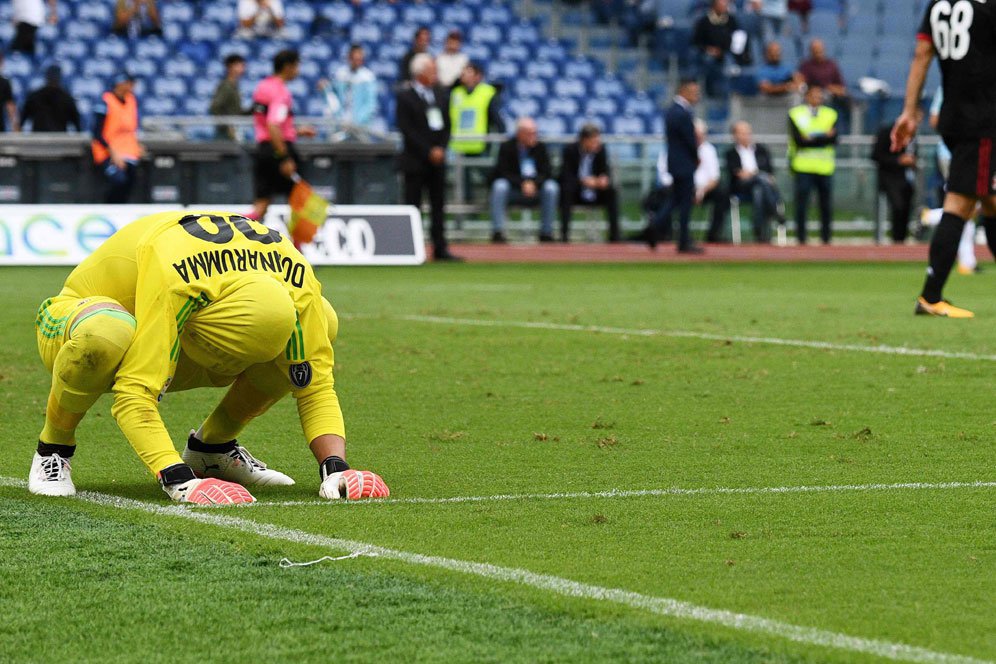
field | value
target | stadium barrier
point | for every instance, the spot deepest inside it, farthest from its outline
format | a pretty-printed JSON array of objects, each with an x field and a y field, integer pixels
[
  {"x": 351, "y": 235},
  {"x": 186, "y": 165}
]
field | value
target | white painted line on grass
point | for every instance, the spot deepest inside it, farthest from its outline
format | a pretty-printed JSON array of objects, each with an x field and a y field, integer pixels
[
  {"x": 686, "y": 334},
  {"x": 635, "y": 493},
  {"x": 659, "y": 605}
]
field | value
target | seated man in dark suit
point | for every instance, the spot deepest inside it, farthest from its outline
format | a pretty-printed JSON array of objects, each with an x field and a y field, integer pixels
[
  {"x": 523, "y": 176},
  {"x": 752, "y": 179},
  {"x": 585, "y": 179}
]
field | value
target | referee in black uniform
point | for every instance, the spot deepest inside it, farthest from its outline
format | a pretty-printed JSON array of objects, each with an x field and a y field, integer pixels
[{"x": 962, "y": 34}]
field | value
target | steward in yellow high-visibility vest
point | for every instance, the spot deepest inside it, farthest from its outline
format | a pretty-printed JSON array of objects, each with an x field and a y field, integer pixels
[
  {"x": 473, "y": 111},
  {"x": 813, "y": 159}
]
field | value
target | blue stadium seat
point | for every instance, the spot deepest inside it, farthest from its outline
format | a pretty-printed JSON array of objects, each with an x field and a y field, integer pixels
[
  {"x": 601, "y": 106},
  {"x": 204, "y": 31},
  {"x": 298, "y": 12},
  {"x": 143, "y": 68},
  {"x": 169, "y": 87},
  {"x": 174, "y": 32},
  {"x": 87, "y": 87},
  {"x": 520, "y": 107},
  {"x": 531, "y": 87},
  {"x": 609, "y": 86},
  {"x": 541, "y": 68},
  {"x": 340, "y": 13},
  {"x": 151, "y": 47},
  {"x": 461, "y": 15},
  {"x": 196, "y": 105},
  {"x": 316, "y": 106},
  {"x": 380, "y": 13},
  {"x": 71, "y": 49},
  {"x": 316, "y": 50},
  {"x": 179, "y": 67},
  {"x": 580, "y": 68},
  {"x": 640, "y": 104},
  {"x": 496, "y": 14},
  {"x": 628, "y": 124},
  {"x": 6, "y": 31},
  {"x": 570, "y": 87},
  {"x": 97, "y": 12},
  {"x": 552, "y": 125},
  {"x": 85, "y": 30},
  {"x": 365, "y": 32},
  {"x": 299, "y": 89},
  {"x": 176, "y": 12},
  {"x": 157, "y": 105},
  {"x": 486, "y": 34},
  {"x": 502, "y": 70},
  {"x": 516, "y": 52},
  {"x": 222, "y": 13},
  {"x": 258, "y": 69},
  {"x": 418, "y": 14},
  {"x": 111, "y": 47},
  {"x": 202, "y": 88},
  {"x": 551, "y": 50},
  {"x": 310, "y": 69},
  {"x": 563, "y": 106},
  {"x": 478, "y": 52},
  {"x": 387, "y": 69},
  {"x": 523, "y": 33},
  {"x": 99, "y": 68}
]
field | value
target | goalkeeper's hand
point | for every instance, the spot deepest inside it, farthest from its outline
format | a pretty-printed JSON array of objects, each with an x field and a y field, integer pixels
[
  {"x": 353, "y": 485},
  {"x": 182, "y": 486}
]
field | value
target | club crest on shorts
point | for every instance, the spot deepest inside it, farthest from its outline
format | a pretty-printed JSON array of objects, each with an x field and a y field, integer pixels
[{"x": 300, "y": 374}]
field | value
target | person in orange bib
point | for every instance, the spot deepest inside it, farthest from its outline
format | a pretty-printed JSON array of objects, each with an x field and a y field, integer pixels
[{"x": 115, "y": 145}]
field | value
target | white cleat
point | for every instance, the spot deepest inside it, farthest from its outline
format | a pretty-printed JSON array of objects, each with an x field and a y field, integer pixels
[
  {"x": 50, "y": 476},
  {"x": 237, "y": 466}
]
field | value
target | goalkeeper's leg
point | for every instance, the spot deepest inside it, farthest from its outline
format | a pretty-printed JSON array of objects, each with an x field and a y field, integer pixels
[{"x": 83, "y": 348}]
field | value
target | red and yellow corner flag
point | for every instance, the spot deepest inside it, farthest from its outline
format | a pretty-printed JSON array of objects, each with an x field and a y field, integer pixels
[{"x": 308, "y": 211}]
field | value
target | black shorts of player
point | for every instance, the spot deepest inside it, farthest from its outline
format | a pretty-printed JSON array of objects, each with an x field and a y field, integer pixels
[
  {"x": 973, "y": 166},
  {"x": 267, "y": 178}
]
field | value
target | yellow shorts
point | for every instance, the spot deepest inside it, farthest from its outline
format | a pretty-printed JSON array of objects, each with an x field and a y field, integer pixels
[{"x": 57, "y": 316}]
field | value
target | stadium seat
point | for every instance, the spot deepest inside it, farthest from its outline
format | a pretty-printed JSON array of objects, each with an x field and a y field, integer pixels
[
  {"x": 580, "y": 68},
  {"x": 85, "y": 30},
  {"x": 206, "y": 32},
  {"x": 461, "y": 15},
  {"x": 531, "y": 87},
  {"x": 316, "y": 50},
  {"x": 418, "y": 14},
  {"x": 365, "y": 32},
  {"x": 71, "y": 50},
  {"x": 640, "y": 104},
  {"x": 157, "y": 105},
  {"x": 523, "y": 33},
  {"x": 608, "y": 86},
  {"x": 496, "y": 14},
  {"x": 563, "y": 106},
  {"x": 516, "y": 52},
  {"x": 552, "y": 125},
  {"x": 541, "y": 69},
  {"x": 600, "y": 106},
  {"x": 381, "y": 14},
  {"x": 169, "y": 87},
  {"x": 570, "y": 87},
  {"x": 82, "y": 88},
  {"x": 298, "y": 12},
  {"x": 179, "y": 67},
  {"x": 96, "y": 12},
  {"x": 502, "y": 70},
  {"x": 486, "y": 34},
  {"x": 521, "y": 107},
  {"x": 222, "y": 13},
  {"x": 628, "y": 124}
]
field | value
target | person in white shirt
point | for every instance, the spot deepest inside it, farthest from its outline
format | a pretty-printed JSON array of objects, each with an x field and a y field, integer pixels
[
  {"x": 260, "y": 17},
  {"x": 451, "y": 62},
  {"x": 707, "y": 183},
  {"x": 28, "y": 16},
  {"x": 352, "y": 95}
]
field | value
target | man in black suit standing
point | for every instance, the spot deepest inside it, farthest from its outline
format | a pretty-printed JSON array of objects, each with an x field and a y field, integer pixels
[
  {"x": 752, "y": 179},
  {"x": 585, "y": 179},
  {"x": 424, "y": 124},
  {"x": 896, "y": 175},
  {"x": 682, "y": 160}
]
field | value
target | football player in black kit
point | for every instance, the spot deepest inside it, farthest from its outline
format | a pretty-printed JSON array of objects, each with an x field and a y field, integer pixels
[{"x": 962, "y": 34}]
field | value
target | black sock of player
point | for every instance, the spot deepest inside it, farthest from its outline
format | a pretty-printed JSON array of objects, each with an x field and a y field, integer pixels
[
  {"x": 48, "y": 449},
  {"x": 943, "y": 252},
  {"x": 989, "y": 224}
]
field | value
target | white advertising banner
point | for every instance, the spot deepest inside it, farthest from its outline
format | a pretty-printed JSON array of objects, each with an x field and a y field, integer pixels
[{"x": 352, "y": 234}]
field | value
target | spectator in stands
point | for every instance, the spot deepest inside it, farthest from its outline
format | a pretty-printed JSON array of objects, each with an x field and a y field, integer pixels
[
  {"x": 523, "y": 176},
  {"x": 708, "y": 183},
  {"x": 896, "y": 177},
  {"x": 474, "y": 110},
  {"x": 425, "y": 130},
  {"x": 773, "y": 15},
  {"x": 8, "y": 107},
  {"x": 115, "y": 145},
  {"x": 276, "y": 159},
  {"x": 352, "y": 96},
  {"x": 227, "y": 99},
  {"x": 136, "y": 18},
  {"x": 713, "y": 35},
  {"x": 452, "y": 60},
  {"x": 752, "y": 178},
  {"x": 802, "y": 8},
  {"x": 824, "y": 72},
  {"x": 813, "y": 159},
  {"x": 51, "y": 107},
  {"x": 682, "y": 162},
  {"x": 586, "y": 179},
  {"x": 420, "y": 44},
  {"x": 775, "y": 79},
  {"x": 260, "y": 18},
  {"x": 29, "y": 15}
]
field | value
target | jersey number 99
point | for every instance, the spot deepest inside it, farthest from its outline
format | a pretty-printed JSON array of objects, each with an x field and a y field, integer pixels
[{"x": 950, "y": 26}]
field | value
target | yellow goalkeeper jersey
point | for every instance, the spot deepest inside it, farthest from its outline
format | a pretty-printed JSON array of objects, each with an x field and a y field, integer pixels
[{"x": 165, "y": 267}]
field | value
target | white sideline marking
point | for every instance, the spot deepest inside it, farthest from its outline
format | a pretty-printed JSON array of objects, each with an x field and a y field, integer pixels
[
  {"x": 637, "y": 493},
  {"x": 660, "y": 605},
  {"x": 686, "y": 334}
]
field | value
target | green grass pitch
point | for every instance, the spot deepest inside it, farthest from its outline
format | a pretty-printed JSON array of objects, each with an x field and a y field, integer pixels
[{"x": 486, "y": 381}]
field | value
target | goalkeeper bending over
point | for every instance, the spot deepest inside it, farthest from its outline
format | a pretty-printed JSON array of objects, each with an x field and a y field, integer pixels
[{"x": 175, "y": 301}]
